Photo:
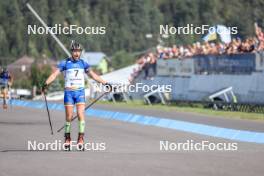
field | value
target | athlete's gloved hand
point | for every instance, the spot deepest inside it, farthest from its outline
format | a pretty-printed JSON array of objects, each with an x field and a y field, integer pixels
[
  {"x": 109, "y": 87},
  {"x": 44, "y": 88}
]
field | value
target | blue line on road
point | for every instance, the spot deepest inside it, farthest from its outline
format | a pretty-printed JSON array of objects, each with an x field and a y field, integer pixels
[{"x": 226, "y": 133}]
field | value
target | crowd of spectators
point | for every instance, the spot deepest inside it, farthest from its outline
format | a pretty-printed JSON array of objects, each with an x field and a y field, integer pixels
[
  {"x": 147, "y": 61},
  {"x": 236, "y": 46}
]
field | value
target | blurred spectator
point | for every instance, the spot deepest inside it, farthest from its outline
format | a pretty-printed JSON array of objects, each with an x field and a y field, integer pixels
[{"x": 149, "y": 61}]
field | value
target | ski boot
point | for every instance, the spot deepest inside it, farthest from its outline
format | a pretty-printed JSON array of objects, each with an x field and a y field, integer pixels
[
  {"x": 80, "y": 142},
  {"x": 67, "y": 142},
  {"x": 4, "y": 106}
]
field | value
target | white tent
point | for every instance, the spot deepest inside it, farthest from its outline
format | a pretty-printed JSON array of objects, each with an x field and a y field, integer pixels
[{"x": 120, "y": 76}]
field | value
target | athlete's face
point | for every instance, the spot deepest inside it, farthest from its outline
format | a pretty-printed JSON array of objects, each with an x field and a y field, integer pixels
[{"x": 76, "y": 54}]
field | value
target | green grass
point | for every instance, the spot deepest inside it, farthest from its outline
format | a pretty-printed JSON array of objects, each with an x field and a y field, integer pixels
[{"x": 198, "y": 109}]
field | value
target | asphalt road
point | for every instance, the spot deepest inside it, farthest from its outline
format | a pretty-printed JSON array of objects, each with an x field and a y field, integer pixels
[{"x": 130, "y": 149}]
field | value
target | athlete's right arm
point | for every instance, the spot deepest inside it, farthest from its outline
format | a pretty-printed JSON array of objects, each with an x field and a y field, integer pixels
[{"x": 53, "y": 76}]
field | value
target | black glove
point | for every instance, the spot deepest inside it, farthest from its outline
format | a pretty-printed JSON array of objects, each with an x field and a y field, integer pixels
[
  {"x": 44, "y": 88},
  {"x": 109, "y": 86}
]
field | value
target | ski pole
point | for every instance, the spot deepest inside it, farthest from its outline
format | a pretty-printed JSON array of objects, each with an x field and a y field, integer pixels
[{"x": 48, "y": 112}]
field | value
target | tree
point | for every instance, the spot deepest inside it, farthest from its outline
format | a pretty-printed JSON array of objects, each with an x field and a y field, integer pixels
[
  {"x": 39, "y": 75},
  {"x": 122, "y": 59},
  {"x": 126, "y": 21}
]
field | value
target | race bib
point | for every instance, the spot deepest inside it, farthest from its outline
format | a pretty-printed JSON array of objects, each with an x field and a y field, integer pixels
[{"x": 74, "y": 78}]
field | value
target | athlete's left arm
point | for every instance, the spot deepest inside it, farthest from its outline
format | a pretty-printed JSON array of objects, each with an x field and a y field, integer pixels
[{"x": 95, "y": 77}]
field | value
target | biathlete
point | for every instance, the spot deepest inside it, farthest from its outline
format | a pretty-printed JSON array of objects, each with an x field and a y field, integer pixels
[
  {"x": 74, "y": 69},
  {"x": 6, "y": 81}
]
